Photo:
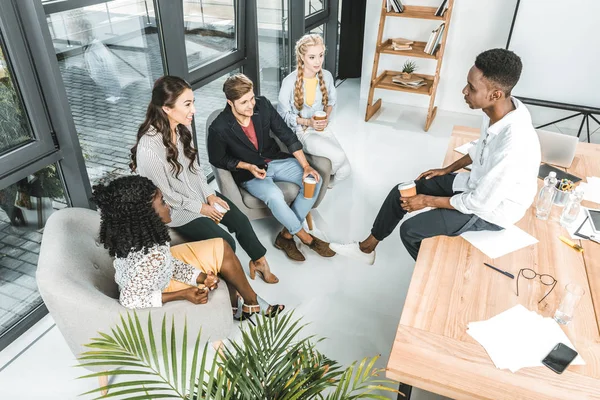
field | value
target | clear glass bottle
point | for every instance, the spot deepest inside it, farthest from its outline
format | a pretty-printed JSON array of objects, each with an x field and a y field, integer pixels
[
  {"x": 545, "y": 199},
  {"x": 572, "y": 208}
]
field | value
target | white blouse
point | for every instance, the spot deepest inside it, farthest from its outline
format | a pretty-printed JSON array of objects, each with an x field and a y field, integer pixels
[
  {"x": 143, "y": 276},
  {"x": 184, "y": 194}
]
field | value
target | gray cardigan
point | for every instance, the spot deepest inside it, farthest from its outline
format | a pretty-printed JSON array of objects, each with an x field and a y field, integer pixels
[
  {"x": 288, "y": 110},
  {"x": 184, "y": 194}
]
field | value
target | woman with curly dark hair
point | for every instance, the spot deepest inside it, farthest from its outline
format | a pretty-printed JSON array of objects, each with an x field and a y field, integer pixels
[
  {"x": 148, "y": 271},
  {"x": 164, "y": 153}
]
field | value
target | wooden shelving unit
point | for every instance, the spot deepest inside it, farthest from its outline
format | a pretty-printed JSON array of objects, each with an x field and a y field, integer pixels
[{"x": 384, "y": 80}]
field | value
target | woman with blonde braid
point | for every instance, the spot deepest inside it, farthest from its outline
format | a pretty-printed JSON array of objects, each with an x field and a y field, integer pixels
[{"x": 305, "y": 91}]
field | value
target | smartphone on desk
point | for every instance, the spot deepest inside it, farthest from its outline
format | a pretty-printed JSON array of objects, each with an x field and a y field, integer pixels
[{"x": 559, "y": 358}]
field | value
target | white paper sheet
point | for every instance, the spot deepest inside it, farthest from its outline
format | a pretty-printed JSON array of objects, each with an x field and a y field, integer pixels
[
  {"x": 499, "y": 243},
  {"x": 591, "y": 189},
  {"x": 518, "y": 338}
]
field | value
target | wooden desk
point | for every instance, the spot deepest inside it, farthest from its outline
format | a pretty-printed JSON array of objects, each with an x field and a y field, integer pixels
[{"x": 451, "y": 287}]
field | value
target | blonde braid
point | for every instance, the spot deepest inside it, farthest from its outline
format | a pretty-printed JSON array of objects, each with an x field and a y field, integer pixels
[
  {"x": 323, "y": 88},
  {"x": 299, "y": 89},
  {"x": 301, "y": 46}
]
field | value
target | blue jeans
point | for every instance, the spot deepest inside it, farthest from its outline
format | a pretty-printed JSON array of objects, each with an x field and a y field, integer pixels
[{"x": 287, "y": 170}]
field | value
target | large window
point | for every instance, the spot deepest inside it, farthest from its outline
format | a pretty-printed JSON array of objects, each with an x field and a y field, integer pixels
[
  {"x": 273, "y": 43},
  {"x": 14, "y": 125},
  {"x": 24, "y": 209},
  {"x": 109, "y": 57},
  {"x": 313, "y": 6},
  {"x": 209, "y": 98},
  {"x": 210, "y": 30}
]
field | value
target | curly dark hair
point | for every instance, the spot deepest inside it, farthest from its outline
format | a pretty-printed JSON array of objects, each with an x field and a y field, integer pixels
[
  {"x": 500, "y": 66},
  {"x": 128, "y": 221},
  {"x": 165, "y": 92}
]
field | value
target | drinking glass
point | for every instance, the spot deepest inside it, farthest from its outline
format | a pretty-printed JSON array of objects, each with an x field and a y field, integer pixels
[{"x": 566, "y": 309}]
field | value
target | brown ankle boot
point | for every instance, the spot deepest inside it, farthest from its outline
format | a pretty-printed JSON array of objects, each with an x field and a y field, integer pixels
[
  {"x": 321, "y": 247},
  {"x": 289, "y": 248}
]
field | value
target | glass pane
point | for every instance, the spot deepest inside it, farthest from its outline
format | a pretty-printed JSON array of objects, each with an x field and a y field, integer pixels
[
  {"x": 313, "y": 6},
  {"x": 320, "y": 30},
  {"x": 208, "y": 98},
  {"x": 109, "y": 57},
  {"x": 14, "y": 125},
  {"x": 24, "y": 210},
  {"x": 210, "y": 30},
  {"x": 273, "y": 46}
]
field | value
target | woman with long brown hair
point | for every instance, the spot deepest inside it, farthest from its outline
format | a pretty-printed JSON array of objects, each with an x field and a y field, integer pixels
[
  {"x": 164, "y": 153},
  {"x": 308, "y": 90}
]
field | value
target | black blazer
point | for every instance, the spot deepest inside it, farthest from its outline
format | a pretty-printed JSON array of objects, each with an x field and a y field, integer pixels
[{"x": 227, "y": 143}]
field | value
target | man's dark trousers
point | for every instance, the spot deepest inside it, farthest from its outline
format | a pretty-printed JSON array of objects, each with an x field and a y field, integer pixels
[{"x": 432, "y": 223}]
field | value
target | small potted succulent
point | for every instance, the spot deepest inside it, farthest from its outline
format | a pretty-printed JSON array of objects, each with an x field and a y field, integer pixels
[{"x": 408, "y": 68}]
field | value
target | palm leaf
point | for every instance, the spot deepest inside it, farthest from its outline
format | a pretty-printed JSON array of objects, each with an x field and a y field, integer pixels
[{"x": 270, "y": 361}]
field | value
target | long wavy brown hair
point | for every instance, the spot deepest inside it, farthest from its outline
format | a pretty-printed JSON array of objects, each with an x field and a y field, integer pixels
[
  {"x": 165, "y": 93},
  {"x": 306, "y": 41}
]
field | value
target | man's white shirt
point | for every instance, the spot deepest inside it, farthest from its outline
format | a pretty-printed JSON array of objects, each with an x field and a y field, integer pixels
[{"x": 502, "y": 183}]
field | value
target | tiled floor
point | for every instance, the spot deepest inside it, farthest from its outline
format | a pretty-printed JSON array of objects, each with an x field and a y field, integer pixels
[{"x": 357, "y": 308}]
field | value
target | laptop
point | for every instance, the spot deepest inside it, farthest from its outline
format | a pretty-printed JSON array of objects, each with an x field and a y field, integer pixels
[{"x": 557, "y": 148}]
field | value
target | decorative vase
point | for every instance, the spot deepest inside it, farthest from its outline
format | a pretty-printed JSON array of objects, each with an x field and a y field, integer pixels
[{"x": 406, "y": 75}]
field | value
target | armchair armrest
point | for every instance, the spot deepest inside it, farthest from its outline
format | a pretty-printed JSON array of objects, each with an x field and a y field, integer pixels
[{"x": 229, "y": 188}]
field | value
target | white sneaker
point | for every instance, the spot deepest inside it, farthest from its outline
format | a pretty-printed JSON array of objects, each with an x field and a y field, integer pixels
[{"x": 353, "y": 250}]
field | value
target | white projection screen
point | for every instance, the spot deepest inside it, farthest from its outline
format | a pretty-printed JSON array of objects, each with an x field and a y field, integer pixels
[{"x": 559, "y": 44}]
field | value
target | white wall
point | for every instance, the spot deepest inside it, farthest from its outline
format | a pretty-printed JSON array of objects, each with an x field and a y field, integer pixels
[{"x": 476, "y": 25}]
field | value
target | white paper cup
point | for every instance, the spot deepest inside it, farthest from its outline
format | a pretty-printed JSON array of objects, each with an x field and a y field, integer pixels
[
  {"x": 220, "y": 209},
  {"x": 319, "y": 116}
]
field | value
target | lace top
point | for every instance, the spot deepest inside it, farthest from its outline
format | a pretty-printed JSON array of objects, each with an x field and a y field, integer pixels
[{"x": 143, "y": 276}]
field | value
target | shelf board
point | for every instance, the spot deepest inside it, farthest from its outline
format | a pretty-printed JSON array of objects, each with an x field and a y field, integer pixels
[
  {"x": 384, "y": 81},
  {"x": 418, "y": 12},
  {"x": 418, "y": 50}
]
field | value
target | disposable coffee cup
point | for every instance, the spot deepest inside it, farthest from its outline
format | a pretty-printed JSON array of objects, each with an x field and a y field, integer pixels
[
  {"x": 220, "y": 209},
  {"x": 310, "y": 184},
  {"x": 319, "y": 116},
  {"x": 407, "y": 189}
]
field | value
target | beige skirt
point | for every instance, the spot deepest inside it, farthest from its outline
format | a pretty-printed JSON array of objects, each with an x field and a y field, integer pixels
[{"x": 205, "y": 255}]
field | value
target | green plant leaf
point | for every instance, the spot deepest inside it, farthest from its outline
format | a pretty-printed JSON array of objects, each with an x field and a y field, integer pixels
[{"x": 153, "y": 343}]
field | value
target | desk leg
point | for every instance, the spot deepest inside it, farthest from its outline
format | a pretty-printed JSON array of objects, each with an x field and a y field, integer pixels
[{"x": 405, "y": 391}]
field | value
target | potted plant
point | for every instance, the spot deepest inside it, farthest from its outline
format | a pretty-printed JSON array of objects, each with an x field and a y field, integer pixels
[
  {"x": 271, "y": 361},
  {"x": 408, "y": 68},
  {"x": 45, "y": 183}
]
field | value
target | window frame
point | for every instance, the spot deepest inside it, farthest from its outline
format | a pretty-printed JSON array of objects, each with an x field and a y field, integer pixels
[{"x": 23, "y": 77}]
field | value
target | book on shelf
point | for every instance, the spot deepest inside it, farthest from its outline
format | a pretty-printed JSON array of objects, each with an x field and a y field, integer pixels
[
  {"x": 401, "y": 41},
  {"x": 395, "y": 5},
  {"x": 434, "y": 39},
  {"x": 442, "y": 8},
  {"x": 438, "y": 38},
  {"x": 401, "y": 47},
  {"x": 400, "y": 44},
  {"x": 413, "y": 82}
]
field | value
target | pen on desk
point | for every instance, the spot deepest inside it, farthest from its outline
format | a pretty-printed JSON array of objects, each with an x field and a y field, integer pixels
[
  {"x": 571, "y": 244},
  {"x": 511, "y": 276}
]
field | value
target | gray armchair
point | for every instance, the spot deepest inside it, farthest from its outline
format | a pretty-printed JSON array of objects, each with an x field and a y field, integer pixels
[
  {"x": 76, "y": 280},
  {"x": 255, "y": 208}
]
